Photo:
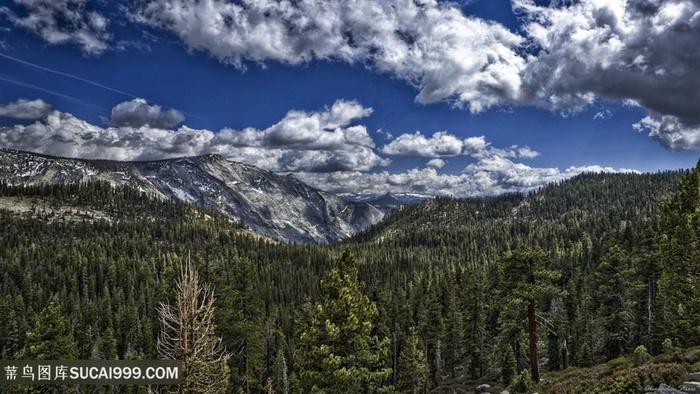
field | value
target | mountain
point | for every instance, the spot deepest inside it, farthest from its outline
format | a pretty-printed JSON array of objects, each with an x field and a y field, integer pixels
[
  {"x": 279, "y": 207},
  {"x": 388, "y": 200},
  {"x": 587, "y": 202}
]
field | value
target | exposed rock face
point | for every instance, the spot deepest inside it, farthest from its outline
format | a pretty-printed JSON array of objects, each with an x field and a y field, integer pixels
[{"x": 280, "y": 207}]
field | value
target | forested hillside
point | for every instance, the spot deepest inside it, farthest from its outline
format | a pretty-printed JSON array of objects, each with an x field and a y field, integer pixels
[{"x": 441, "y": 295}]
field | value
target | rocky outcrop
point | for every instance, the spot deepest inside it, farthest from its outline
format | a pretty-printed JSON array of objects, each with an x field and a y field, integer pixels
[
  {"x": 691, "y": 386},
  {"x": 280, "y": 207}
]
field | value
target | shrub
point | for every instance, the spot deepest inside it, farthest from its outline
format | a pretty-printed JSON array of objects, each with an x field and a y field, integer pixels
[
  {"x": 620, "y": 362},
  {"x": 523, "y": 383},
  {"x": 641, "y": 356},
  {"x": 667, "y": 347}
]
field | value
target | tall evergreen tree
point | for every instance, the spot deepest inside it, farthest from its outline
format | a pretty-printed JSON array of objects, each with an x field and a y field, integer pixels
[
  {"x": 614, "y": 284},
  {"x": 49, "y": 338},
  {"x": 679, "y": 286},
  {"x": 526, "y": 281},
  {"x": 413, "y": 367},
  {"x": 240, "y": 322},
  {"x": 338, "y": 351}
]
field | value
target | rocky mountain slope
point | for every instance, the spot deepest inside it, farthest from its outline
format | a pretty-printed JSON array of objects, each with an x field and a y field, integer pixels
[{"x": 280, "y": 207}]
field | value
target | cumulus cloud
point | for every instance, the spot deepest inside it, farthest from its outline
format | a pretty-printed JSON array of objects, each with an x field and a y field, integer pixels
[
  {"x": 440, "y": 144},
  {"x": 25, "y": 109},
  {"x": 670, "y": 131},
  {"x": 494, "y": 172},
  {"x": 489, "y": 176},
  {"x": 569, "y": 54},
  {"x": 474, "y": 146},
  {"x": 436, "y": 163},
  {"x": 329, "y": 151},
  {"x": 329, "y": 129},
  {"x": 346, "y": 147},
  {"x": 137, "y": 113},
  {"x": 527, "y": 153},
  {"x": 639, "y": 51},
  {"x": 62, "y": 22},
  {"x": 446, "y": 55}
]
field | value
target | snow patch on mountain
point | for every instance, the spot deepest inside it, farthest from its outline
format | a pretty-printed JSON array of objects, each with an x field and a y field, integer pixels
[{"x": 280, "y": 207}]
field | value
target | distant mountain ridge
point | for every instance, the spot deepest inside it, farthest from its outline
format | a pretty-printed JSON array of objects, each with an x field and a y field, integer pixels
[
  {"x": 280, "y": 207},
  {"x": 388, "y": 199},
  {"x": 618, "y": 197}
]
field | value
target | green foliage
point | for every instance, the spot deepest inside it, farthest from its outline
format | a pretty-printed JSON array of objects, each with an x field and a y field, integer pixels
[
  {"x": 437, "y": 267},
  {"x": 679, "y": 240},
  {"x": 413, "y": 366},
  {"x": 50, "y": 338},
  {"x": 526, "y": 281},
  {"x": 620, "y": 362},
  {"x": 523, "y": 384},
  {"x": 641, "y": 355},
  {"x": 667, "y": 347},
  {"x": 339, "y": 351},
  {"x": 621, "y": 380},
  {"x": 507, "y": 363}
]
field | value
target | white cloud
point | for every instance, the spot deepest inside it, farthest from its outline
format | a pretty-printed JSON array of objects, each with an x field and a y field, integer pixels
[
  {"x": 446, "y": 55},
  {"x": 338, "y": 161},
  {"x": 62, "y": 22},
  {"x": 494, "y": 172},
  {"x": 330, "y": 129},
  {"x": 670, "y": 131},
  {"x": 636, "y": 51},
  {"x": 439, "y": 145},
  {"x": 604, "y": 114},
  {"x": 436, "y": 163},
  {"x": 25, "y": 109},
  {"x": 277, "y": 148},
  {"x": 137, "y": 113},
  {"x": 489, "y": 176},
  {"x": 442, "y": 144},
  {"x": 570, "y": 54},
  {"x": 527, "y": 153}
]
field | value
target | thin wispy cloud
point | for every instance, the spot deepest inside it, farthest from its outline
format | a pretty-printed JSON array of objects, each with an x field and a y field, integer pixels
[
  {"x": 71, "y": 76},
  {"x": 13, "y": 81},
  {"x": 64, "y": 74}
]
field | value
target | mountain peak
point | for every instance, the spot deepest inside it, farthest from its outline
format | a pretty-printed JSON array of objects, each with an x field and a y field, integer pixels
[{"x": 280, "y": 207}]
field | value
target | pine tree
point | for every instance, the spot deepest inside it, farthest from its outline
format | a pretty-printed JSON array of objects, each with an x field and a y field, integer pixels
[
  {"x": 280, "y": 372},
  {"x": 454, "y": 334},
  {"x": 526, "y": 281},
  {"x": 413, "y": 367},
  {"x": 240, "y": 322},
  {"x": 188, "y": 335},
  {"x": 507, "y": 363},
  {"x": 613, "y": 282},
  {"x": 338, "y": 350},
  {"x": 679, "y": 286},
  {"x": 49, "y": 338}
]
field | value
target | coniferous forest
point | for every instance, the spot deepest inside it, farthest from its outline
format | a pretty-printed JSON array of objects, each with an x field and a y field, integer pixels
[{"x": 591, "y": 285}]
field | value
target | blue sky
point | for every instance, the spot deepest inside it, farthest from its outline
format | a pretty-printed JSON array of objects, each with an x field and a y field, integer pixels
[{"x": 454, "y": 98}]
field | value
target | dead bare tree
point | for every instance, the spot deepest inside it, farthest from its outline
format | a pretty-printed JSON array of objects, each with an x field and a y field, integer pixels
[{"x": 187, "y": 334}]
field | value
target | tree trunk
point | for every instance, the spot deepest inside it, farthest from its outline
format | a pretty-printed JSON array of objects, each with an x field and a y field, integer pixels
[
  {"x": 532, "y": 331},
  {"x": 565, "y": 355},
  {"x": 395, "y": 358}
]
